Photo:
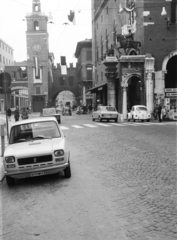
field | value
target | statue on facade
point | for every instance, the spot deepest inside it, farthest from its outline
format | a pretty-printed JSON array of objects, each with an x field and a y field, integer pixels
[{"x": 127, "y": 42}]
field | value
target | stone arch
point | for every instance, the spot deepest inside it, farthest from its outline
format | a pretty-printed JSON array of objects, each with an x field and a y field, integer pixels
[
  {"x": 166, "y": 59},
  {"x": 134, "y": 90}
]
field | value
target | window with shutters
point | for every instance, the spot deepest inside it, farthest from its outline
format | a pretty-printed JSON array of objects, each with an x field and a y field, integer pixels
[
  {"x": 89, "y": 55},
  {"x": 89, "y": 72}
]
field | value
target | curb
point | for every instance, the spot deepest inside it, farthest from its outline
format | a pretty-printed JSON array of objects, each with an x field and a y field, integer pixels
[{"x": 2, "y": 176}]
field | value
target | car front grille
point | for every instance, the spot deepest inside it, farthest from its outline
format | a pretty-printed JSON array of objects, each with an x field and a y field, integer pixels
[{"x": 34, "y": 160}]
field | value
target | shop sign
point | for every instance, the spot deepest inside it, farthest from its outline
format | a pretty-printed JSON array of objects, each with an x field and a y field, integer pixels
[
  {"x": 173, "y": 94},
  {"x": 89, "y": 96},
  {"x": 170, "y": 89},
  {"x": 101, "y": 88}
]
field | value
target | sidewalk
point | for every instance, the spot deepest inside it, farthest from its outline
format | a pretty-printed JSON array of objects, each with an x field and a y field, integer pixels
[{"x": 6, "y": 143}]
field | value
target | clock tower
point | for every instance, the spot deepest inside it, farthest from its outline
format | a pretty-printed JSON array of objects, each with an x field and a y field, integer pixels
[{"x": 37, "y": 57}]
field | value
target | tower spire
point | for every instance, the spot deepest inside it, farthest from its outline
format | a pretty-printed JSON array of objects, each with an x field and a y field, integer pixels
[{"x": 36, "y": 6}]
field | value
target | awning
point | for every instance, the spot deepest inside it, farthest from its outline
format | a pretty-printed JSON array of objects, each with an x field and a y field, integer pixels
[
  {"x": 97, "y": 88},
  {"x": 17, "y": 85}
]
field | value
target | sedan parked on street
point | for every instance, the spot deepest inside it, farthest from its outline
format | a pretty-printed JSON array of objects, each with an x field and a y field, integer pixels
[
  {"x": 105, "y": 113},
  {"x": 139, "y": 112},
  {"x": 37, "y": 147}
]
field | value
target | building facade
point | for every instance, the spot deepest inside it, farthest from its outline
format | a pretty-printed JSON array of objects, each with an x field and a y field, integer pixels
[
  {"x": 38, "y": 62},
  {"x": 6, "y": 59},
  {"x": 64, "y": 85},
  {"x": 6, "y": 54},
  {"x": 125, "y": 40},
  {"x": 84, "y": 69}
]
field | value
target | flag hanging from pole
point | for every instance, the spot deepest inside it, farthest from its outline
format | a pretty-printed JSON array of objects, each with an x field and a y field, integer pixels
[
  {"x": 36, "y": 66},
  {"x": 72, "y": 17},
  {"x": 63, "y": 65}
]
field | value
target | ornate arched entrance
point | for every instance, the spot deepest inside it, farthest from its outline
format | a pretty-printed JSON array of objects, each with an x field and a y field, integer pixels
[
  {"x": 134, "y": 91},
  {"x": 169, "y": 73}
]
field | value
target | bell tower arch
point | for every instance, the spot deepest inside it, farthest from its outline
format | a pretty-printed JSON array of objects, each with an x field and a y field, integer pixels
[{"x": 37, "y": 57}]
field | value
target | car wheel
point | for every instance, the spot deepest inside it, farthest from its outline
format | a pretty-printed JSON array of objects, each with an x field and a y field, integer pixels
[
  {"x": 67, "y": 171},
  {"x": 100, "y": 119},
  {"x": 128, "y": 119},
  {"x": 142, "y": 120},
  {"x": 115, "y": 119},
  {"x": 107, "y": 120},
  {"x": 148, "y": 120},
  {"x": 93, "y": 119},
  {"x": 133, "y": 119},
  {"x": 10, "y": 181}
]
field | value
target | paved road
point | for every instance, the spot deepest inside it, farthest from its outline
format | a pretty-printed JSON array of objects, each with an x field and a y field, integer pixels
[{"x": 123, "y": 187}]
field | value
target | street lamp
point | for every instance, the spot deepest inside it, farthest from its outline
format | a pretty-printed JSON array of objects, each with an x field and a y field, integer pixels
[{"x": 5, "y": 94}]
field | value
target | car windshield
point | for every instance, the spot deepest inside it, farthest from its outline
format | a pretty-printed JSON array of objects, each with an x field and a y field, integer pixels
[
  {"x": 141, "y": 109},
  {"x": 109, "y": 109},
  {"x": 34, "y": 131}
]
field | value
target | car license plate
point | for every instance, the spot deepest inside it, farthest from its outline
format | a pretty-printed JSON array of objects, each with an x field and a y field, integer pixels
[{"x": 37, "y": 174}]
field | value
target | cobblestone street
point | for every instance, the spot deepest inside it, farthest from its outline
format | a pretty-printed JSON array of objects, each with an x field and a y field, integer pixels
[{"x": 123, "y": 187}]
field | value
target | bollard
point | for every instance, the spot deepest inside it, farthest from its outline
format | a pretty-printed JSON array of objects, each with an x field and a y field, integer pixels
[{"x": 2, "y": 140}]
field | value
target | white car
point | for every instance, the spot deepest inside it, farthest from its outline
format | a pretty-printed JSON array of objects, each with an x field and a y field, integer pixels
[
  {"x": 139, "y": 112},
  {"x": 105, "y": 113},
  {"x": 37, "y": 147}
]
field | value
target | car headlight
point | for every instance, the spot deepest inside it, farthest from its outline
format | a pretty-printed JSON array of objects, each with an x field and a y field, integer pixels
[
  {"x": 10, "y": 159},
  {"x": 59, "y": 153}
]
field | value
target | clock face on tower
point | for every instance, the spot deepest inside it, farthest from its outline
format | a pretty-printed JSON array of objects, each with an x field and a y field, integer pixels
[{"x": 36, "y": 47}]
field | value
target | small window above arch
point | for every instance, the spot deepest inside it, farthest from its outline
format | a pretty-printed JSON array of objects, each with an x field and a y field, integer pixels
[{"x": 36, "y": 26}]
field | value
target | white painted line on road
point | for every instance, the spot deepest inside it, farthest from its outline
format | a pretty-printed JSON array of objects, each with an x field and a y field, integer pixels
[
  {"x": 102, "y": 124},
  {"x": 117, "y": 124},
  {"x": 76, "y": 126},
  {"x": 130, "y": 124},
  {"x": 90, "y": 125},
  {"x": 64, "y": 128}
]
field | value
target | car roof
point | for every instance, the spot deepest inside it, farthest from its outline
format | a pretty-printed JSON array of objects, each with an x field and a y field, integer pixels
[{"x": 33, "y": 120}]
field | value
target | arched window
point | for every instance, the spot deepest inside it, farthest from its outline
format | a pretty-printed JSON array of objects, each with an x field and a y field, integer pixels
[
  {"x": 71, "y": 81},
  {"x": 36, "y": 8},
  {"x": 62, "y": 81},
  {"x": 36, "y": 26}
]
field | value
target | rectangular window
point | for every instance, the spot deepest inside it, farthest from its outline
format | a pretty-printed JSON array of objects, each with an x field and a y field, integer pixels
[
  {"x": 38, "y": 90},
  {"x": 89, "y": 55},
  {"x": 174, "y": 11},
  {"x": 3, "y": 59}
]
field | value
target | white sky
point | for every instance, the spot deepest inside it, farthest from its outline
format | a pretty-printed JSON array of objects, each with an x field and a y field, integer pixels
[{"x": 62, "y": 38}]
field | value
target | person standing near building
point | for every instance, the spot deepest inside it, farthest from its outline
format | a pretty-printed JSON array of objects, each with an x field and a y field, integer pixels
[
  {"x": 160, "y": 113},
  {"x": 9, "y": 113},
  {"x": 16, "y": 114}
]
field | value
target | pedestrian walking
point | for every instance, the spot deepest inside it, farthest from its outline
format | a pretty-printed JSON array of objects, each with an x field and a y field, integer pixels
[
  {"x": 9, "y": 113},
  {"x": 16, "y": 114},
  {"x": 160, "y": 113}
]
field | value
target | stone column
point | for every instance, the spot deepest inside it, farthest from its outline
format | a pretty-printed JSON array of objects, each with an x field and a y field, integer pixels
[
  {"x": 124, "y": 85},
  {"x": 124, "y": 108},
  {"x": 111, "y": 92},
  {"x": 84, "y": 97},
  {"x": 149, "y": 70},
  {"x": 111, "y": 74}
]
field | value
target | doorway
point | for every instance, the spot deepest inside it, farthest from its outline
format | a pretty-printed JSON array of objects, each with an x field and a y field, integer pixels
[{"x": 133, "y": 92}]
